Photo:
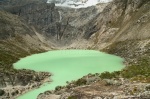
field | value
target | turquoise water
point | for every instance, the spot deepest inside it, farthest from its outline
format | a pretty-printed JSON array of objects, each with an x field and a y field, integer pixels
[{"x": 67, "y": 65}]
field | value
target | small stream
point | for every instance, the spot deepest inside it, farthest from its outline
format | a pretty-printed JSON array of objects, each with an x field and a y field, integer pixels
[{"x": 67, "y": 65}]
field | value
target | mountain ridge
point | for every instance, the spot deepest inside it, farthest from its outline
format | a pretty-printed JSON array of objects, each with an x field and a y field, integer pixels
[{"x": 120, "y": 27}]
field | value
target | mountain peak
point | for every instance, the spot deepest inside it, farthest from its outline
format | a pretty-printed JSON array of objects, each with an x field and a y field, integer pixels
[{"x": 77, "y": 3}]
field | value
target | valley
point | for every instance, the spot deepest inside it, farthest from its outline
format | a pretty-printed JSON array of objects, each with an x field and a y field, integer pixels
[{"x": 119, "y": 27}]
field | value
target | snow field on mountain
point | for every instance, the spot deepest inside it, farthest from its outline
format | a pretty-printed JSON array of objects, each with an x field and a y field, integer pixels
[{"x": 77, "y": 3}]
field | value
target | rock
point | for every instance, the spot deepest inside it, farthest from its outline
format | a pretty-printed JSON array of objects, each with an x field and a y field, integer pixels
[
  {"x": 48, "y": 92},
  {"x": 2, "y": 92},
  {"x": 58, "y": 88},
  {"x": 147, "y": 88},
  {"x": 64, "y": 95},
  {"x": 16, "y": 92},
  {"x": 99, "y": 25},
  {"x": 145, "y": 95},
  {"x": 97, "y": 98},
  {"x": 112, "y": 82}
]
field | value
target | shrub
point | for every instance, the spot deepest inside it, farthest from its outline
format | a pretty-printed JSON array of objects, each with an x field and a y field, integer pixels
[{"x": 80, "y": 82}]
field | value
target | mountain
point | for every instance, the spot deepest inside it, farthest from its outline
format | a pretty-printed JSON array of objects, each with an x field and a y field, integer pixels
[
  {"x": 77, "y": 3},
  {"x": 119, "y": 27},
  {"x": 17, "y": 39}
]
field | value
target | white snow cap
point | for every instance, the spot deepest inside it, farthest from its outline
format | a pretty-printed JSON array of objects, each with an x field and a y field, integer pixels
[{"x": 77, "y": 3}]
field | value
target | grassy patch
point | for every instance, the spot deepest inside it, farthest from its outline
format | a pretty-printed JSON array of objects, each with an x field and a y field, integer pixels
[
  {"x": 138, "y": 72},
  {"x": 10, "y": 53},
  {"x": 137, "y": 58}
]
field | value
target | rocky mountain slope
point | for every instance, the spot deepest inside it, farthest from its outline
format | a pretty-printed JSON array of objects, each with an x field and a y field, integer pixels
[
  {"x": 17, "y": 40},
  {"x": 77, "y": 3},
  {"x": 120, "y": 27}
]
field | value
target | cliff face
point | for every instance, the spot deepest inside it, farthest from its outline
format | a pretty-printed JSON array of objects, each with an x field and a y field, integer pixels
[
  {"x": 98, "y": 26},
  {"x": 19, "y": 2},
  {"x": 17, "y": 39},
  {"x": 61, "y": 25},
  {"x": 120, "y": 27},
  {"x": 130, "y": 21},
  {"x": 131, "y": 18}
]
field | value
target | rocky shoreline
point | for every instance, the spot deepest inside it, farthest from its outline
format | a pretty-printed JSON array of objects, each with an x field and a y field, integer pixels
[
  {"x": 19, "y": 87},
  {"x": 120, "y": 28},
  {"x": 99, "y": 88}
]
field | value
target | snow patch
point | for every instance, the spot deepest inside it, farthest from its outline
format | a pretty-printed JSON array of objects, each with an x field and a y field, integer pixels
[{"x": 77, "y": 3}]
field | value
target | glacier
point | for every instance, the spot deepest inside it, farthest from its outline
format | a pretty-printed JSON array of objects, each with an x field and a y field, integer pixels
[{"x": 77, "y": 3}]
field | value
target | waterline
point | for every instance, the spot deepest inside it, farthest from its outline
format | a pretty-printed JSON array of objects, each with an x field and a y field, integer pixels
[{"x": 67, "y": 65}]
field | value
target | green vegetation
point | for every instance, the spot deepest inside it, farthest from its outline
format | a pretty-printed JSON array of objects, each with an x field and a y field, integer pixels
[
  {"x": 12, "y": 45},
  {"x": 139, "y": 71},
  {"x": 137, "y": 58},
  {"x": 10, "y": 53},
  {"x": 80, "y": 82},
  {"x": 108, "y": 75},
  {"x": 2, "y": 92},
  {"x": 58, "y": 88},
  {"x": 73, "y": 97}
]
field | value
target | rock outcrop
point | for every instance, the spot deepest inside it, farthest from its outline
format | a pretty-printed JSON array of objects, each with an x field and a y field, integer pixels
[
  {"x": 120, "y": 27},
  {"x": 17, "y": 40},
  {"x": 99, "y": 26},
  {"x": 16, "y": 82},
  {"x": 55, "y": 23},
  {"x": 101, "y": 89}
]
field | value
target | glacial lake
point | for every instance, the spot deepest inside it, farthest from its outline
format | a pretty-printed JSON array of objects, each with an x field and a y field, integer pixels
[{"x": 67, "y": 65}]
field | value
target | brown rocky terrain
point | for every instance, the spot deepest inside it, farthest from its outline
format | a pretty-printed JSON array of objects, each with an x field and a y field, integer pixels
[
  {"x": 17, "y": 40},
  {"x": 16, "y": 82},
  {"x": 101, "y": 89},
  {"x": 120, "y": 27}
]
